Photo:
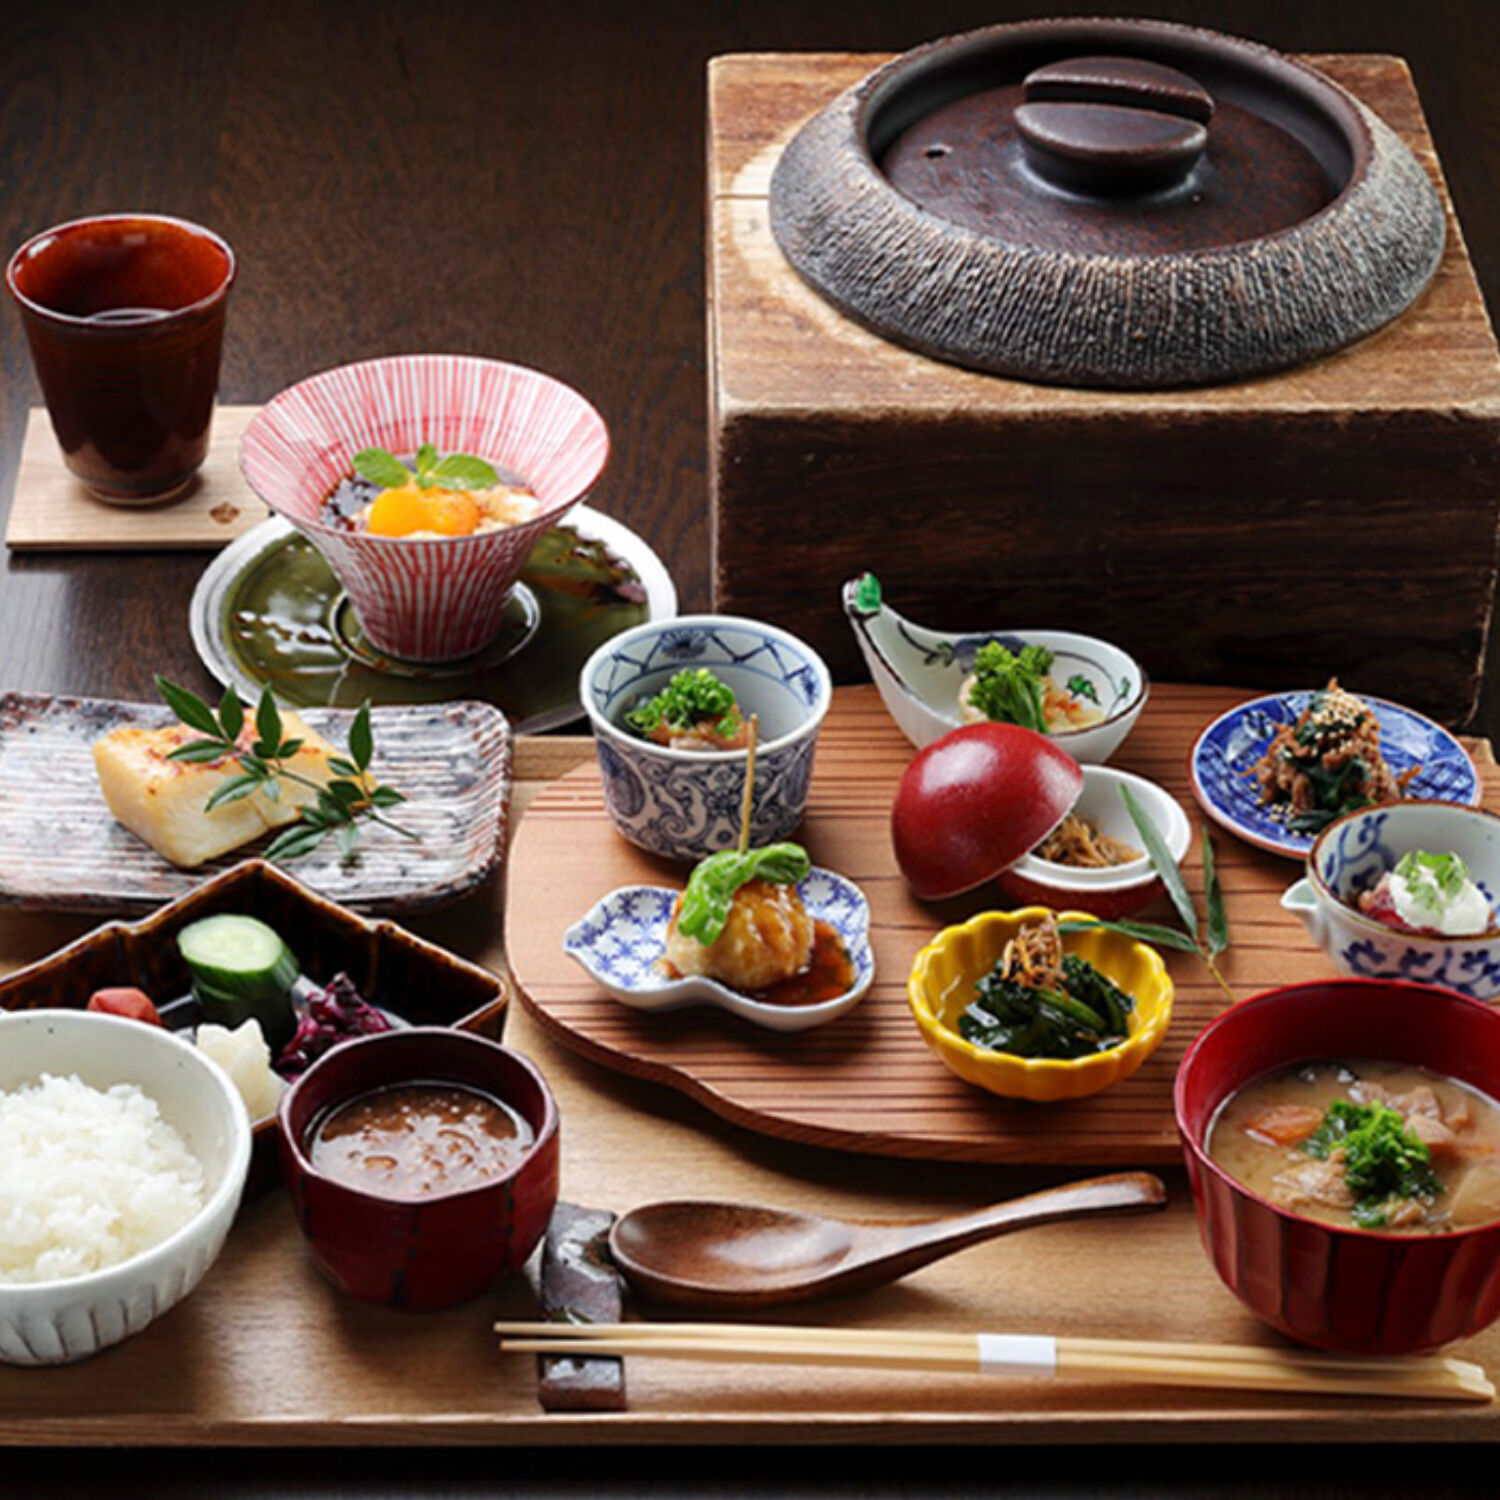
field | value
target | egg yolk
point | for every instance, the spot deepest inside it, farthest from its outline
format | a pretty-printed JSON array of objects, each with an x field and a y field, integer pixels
[{"x": 409, "y": 509}]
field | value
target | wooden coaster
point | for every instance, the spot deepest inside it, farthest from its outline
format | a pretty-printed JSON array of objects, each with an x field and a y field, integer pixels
[{"x": 52, "y": 511}]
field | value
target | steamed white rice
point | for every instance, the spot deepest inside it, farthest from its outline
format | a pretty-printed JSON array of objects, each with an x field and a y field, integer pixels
[{"x": 87, "y": 1179}]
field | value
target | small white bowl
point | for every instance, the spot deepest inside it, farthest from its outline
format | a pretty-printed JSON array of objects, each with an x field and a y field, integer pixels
[
  {"x": 620, "y": 941},
  {"x": 1351, "y": 855},
  {"x": 59, "y": 1322},
  {"x": 685, "y": 804},
  {"x": 919, "y": 673},
  {"x": 1116, "y": 890}
]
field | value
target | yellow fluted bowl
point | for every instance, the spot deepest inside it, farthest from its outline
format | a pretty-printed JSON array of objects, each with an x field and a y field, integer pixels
[{"x": 942, "y": 985}]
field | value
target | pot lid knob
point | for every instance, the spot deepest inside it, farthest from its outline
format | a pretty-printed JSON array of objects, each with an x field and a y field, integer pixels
[{"x": 1112, "y": 126}]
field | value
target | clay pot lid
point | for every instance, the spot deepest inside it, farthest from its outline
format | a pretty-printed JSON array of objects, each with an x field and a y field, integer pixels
[
  {"x": 974, "y": 802},
  {"x": 1106, "y": 202}
]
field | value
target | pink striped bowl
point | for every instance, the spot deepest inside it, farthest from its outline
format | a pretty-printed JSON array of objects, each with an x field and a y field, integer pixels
[{"x": 425, "y": 600}]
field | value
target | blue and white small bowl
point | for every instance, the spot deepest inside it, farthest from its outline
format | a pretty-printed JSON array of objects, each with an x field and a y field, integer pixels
[
  {"x": 685, "y": 804},
  {"x": 1351, "y": 855},
  {"x": 620, "y": 942}
]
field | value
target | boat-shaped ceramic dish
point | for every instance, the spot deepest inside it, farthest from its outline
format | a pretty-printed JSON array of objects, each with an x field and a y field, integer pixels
[
  {"x": 919, "y": 673},
  {"x": 621, "y": 940}
]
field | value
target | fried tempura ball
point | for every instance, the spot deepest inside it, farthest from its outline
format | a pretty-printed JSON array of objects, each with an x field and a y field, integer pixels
[{"x": 768, "y": 937}]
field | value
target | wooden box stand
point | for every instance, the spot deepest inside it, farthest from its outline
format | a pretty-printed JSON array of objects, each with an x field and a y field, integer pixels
[{"x": 1338, "y": 518}]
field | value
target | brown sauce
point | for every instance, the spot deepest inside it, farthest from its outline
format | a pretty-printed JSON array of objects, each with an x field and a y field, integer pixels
[
  {"x": 829, "y": 973},
  {"x": 420, "y": 1139}
]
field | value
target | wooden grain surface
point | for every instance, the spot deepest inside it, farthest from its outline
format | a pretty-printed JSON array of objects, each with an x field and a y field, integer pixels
[
  {"x": 265, "y": 1353},
  {"x": 54, "y": 512},
  {"x": 780, "y": 346},
  {"x": 1241, "y": 494},
  {"x": 527, "y": 182},
  {"x": 868, "y": 1082}
]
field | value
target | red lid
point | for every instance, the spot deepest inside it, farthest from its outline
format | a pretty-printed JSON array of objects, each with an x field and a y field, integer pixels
[{"x": 972, "y": 803}]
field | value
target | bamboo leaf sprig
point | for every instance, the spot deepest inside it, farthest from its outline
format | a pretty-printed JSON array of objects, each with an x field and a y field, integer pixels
[
  {"x": 1208, "y": 939},
  {"x": 348, "y": 799}
]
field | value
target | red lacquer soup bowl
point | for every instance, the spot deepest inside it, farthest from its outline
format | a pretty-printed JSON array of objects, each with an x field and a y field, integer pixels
[
  {"x": 1350, "y": 1290},
  {"x": 420, "y": 1250}
]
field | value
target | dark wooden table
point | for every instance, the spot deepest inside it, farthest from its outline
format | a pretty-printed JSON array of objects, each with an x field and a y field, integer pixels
[{"x": 526, "y": 181}]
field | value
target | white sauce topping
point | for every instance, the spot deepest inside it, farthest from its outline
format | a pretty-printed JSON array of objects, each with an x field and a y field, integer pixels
[{"x": 1461, "y": 915}]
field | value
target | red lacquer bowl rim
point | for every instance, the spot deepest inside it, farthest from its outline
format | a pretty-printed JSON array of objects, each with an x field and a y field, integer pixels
[
  {"x": 1418, "y": 994},
  {"x": 462, "y": 1043}
]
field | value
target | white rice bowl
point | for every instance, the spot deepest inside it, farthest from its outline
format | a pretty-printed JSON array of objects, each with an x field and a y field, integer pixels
[
  {"x": 123, "y": 1155},
  {"x": 88, "y": 1178}
]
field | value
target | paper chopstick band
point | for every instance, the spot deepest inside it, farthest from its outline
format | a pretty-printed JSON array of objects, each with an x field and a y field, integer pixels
[{"x": 1016, "y": 1354}]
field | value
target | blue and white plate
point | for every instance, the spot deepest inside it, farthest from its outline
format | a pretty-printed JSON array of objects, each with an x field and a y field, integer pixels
[
  {"x": 1225, "y": 754},
  {"x": 620, "y": 942}
]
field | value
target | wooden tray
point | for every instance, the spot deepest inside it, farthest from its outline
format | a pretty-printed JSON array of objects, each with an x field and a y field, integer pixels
[
  {"x": 52, "y": 511},
  {"x": 868, "y": 1082},
  {"x": 266, "y": 1353}
]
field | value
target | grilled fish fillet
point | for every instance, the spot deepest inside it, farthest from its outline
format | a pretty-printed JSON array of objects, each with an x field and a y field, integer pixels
[{"x": 162, "y": 801}]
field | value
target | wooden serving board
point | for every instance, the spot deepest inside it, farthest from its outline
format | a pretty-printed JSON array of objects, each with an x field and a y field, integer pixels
[
  {"x": 868, "y": 1082},
  {"x": 53, "y": 511},
  {"x": 266, "y": 1352}
]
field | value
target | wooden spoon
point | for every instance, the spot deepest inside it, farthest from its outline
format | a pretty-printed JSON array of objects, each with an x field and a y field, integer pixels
[{"x": 742, "y": 1255}]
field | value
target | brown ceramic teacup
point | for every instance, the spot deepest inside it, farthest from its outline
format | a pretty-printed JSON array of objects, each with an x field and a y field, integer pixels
[{"x": 125, "y": 316}]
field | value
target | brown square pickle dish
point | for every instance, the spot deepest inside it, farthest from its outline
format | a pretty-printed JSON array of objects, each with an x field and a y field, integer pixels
[{"x": 412, "y": 980}]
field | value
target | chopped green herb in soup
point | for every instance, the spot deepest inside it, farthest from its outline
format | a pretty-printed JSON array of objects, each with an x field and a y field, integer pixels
[{"x": 1365, "y": 1145}]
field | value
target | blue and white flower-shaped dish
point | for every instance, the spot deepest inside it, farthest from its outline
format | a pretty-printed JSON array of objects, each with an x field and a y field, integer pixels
[
  {"x": 1223, "y": 760},
  {"x": 620, "y": 942},
  {"x": 920, "y": 672},
  {"x": 686, "y": 804},
  {"x": 1351, "y": 855}
]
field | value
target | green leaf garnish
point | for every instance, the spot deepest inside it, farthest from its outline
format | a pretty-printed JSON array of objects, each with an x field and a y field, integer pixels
[
  {"x": 1213, "y": 899},
  {"x": 1384, "y": 1163},
  {"x": 231, "y": 714},
  {"x": 1008, "y": 686},
  {"x": 361, "y": 738},
  {"x": 462, "y": 471},
  {"x": 456, "y": 471},
  {"x": 345, "y": 802},
  {"x": 1217, "y": 925},
  {"x": 711, "y": 887},
  {"x": 381, "y": 468},
  {"x": 690, "y": 699},
  {"x": 188, "y": 707},
  {"x": 1162, "y": 861},
  {"x": 199, "y": 752},
  {"x": 1142, "y": 932},
  {"x": 1433, "y": 880}
]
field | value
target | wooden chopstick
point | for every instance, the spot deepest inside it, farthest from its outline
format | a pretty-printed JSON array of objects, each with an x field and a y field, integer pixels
[{"x": 1224, "y": 1366}]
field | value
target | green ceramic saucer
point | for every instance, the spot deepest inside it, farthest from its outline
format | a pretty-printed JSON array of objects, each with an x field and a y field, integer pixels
[{"x": 268, "y": 610}]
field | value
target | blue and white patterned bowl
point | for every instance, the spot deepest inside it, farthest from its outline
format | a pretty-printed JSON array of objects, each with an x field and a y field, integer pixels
[
  {"x": 622, "y": 939},
  {"x": 1352, "y": 854},
  {"x": 685, "y": 804},
  {"x": 1223, "y": 762}
]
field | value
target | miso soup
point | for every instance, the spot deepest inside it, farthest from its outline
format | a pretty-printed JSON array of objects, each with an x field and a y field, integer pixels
[{"x": 1364, "y": 1145}]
